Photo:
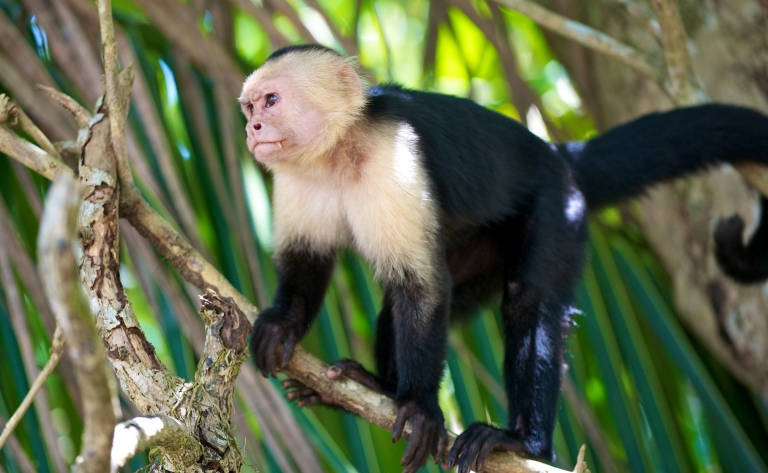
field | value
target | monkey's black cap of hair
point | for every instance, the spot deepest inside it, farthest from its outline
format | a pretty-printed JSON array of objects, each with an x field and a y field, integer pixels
[{"x": 299, "y": 48}]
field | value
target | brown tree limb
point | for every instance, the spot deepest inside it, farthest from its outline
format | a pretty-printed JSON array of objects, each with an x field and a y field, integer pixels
[
  {"x": 11, "y": 113},
  {"x": 59, "y": 270},
  {"x": 30, "y": 155},
  {"x": 82, "y": 116},
  {"x": 148, "y": 383}
]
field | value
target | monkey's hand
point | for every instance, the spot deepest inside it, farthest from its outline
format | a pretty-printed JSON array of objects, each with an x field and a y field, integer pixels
[
  {"x": 271, "y": 331},
  {"x": 428, "y": 435},
  {"x": 305, "y": 396},
  {"x": 478, "y": 440}
]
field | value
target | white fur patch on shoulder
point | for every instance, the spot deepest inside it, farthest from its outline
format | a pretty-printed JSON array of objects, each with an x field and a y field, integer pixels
[
  {"x": 380, "y": 205},
  {"x": 390, "y": 210}
]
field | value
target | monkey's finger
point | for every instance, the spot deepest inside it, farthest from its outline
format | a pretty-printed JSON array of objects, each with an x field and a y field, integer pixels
[
  {"x": 397, "y": 430},
  {"x": 442, "y": 446},
  {"x": 463, "y": 454},
  {"x": 472, "y": 450},
  {"x": 458, "y": 445},
  {"x": 288, "y": 347},
  {"x": 272, "y": 348},
  {"x": 292, "y": 383},
  {"x": 487, "y": 447},
  {"x": 414, "y": 443},
  {"x": 420, "y": 455},
  {"x": 259, "y": 358},
  {"x": 300, "y": 394},
  {"x": 312, "y": 400}
]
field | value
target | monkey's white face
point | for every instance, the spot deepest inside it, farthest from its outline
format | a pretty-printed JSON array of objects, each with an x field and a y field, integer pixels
[{"x": 281, "y": 123}]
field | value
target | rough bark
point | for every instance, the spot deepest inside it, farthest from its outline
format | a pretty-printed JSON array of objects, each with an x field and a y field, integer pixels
[{"x": 729, "y": 50}]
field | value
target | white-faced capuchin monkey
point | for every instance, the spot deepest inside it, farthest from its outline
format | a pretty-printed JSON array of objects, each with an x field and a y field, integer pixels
[{"x": 453, "y": 205}]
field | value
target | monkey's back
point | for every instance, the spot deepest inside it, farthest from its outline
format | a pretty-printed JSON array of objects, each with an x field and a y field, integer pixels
[{"x": 482, "y": 164}]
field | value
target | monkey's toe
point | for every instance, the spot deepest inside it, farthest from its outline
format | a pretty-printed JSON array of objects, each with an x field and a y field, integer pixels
[
  {"x": 356, "y": 372},
  {"x": 473, "y": 446},
  {"x": 305, "y": 396},
  {"x": 428, "y": 435}
]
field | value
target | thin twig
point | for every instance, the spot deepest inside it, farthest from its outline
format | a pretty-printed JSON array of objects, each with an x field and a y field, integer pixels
[
  {"x": 57, "y": 349},
  {"x": 78, "y": 111},
  {"x": 15, "y": 116},
  {"x": 585, "y": 35},
  {"x": 114, "y": 94},
  {"x": 643, "y": 16},
  {"x": 26, "y": 348},
  {"x": 30, "y": 155}
]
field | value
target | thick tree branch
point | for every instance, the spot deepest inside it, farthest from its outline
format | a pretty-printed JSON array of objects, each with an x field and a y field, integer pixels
[{"x": 58, "y": 268}]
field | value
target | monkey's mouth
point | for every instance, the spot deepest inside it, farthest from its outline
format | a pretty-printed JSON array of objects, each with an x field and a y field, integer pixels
[{"x": 279, "y": 144}]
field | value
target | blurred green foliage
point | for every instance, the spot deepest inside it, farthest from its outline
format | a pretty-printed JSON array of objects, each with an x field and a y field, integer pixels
[{"x": 641, "y": 393}]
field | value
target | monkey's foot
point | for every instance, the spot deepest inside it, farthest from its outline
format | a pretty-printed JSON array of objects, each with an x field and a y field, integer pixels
[
  {"x": 273, "y": 341},
  {"x": 478, "y": 440},
  {"x": 353, "y": 370},
  {"x": 428, "y": 436}
]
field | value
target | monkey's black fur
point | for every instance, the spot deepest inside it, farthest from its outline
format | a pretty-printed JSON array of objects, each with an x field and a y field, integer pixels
[{"x": 513, "y": 223}]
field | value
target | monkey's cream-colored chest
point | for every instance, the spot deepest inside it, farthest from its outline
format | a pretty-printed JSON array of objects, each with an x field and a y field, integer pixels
[{"x": 385, "y": 213}]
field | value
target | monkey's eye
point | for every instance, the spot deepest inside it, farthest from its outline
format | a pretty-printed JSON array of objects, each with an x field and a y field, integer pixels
[
  {"x": 271, "y": 100},
  {"x": 250, "y": 108}
]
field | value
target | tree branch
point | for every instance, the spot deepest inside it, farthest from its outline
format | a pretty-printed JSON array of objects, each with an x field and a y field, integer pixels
[
  {"x": 58, "y": 268},
  {"x": 680, "y": 75},
  {"x": 30, "y": 155},
  {"x": 57, "y": 349},
  {"x": 116, "y": 105},
  {"x": 78, "y": 111},
  {"x": 585, "y": 35}
]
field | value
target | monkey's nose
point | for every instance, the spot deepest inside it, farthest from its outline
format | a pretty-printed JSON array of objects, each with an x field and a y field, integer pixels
[{"x": 257, "y": 126}]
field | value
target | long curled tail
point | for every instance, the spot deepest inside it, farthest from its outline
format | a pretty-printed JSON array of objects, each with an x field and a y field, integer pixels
[{"x": 662, "y": 146}]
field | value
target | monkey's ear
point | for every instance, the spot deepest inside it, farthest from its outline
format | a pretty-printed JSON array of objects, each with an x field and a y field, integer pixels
[{"x": 351, "y": 80}]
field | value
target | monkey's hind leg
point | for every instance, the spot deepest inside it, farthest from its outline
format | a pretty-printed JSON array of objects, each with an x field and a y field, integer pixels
[{"x": 537, "y": 292}]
